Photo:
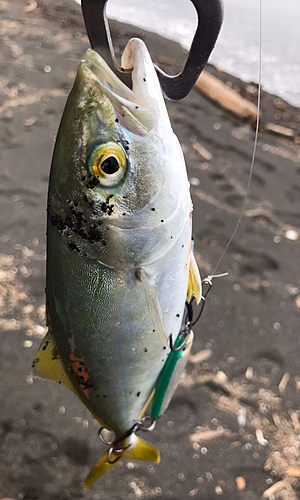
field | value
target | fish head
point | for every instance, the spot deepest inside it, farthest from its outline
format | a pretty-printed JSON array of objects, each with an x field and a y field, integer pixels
[{"x": 118, "y": 189}]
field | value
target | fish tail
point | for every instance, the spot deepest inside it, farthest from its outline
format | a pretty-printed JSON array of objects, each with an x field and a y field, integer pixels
[{"x": 138, "y": 450}]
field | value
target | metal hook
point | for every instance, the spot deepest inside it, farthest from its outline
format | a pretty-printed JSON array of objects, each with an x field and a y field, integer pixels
[
  {"x": 114, "y": 445},
  {"x": 210, "y": 18},
  {"x": 100, "y": 432},
  {"x": 112, "y": 450},
  {"x": 150, "y": 427},
  {"x": 184, "y": 333}
]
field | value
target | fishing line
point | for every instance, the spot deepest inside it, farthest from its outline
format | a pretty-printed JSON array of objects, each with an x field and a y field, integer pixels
[{"x": 254, "y": 146}]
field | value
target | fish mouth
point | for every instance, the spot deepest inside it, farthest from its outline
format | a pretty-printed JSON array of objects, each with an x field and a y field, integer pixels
[{"x": 139, "y": 109}]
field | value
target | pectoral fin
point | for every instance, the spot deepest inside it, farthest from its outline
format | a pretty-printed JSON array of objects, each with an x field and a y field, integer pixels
[
  {"x": 138, "y": 450},
  {"x": 48, "y": 365},
  {"x": 194, "y": 285},
  {"x": 151, "y": 293}
]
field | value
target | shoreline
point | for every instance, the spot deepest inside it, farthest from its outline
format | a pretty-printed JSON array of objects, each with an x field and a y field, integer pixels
[{"x": 170, "y": 55}]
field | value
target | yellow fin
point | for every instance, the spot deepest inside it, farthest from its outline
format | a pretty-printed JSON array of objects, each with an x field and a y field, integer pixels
[
  {"x": 194, "y": 285},
  {"x": 138, "y": 450},
  {"x": 48, "y": 365}
]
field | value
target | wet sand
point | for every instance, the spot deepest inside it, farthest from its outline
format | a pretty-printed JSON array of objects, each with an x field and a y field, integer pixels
[{"x": 245, "y": 385}]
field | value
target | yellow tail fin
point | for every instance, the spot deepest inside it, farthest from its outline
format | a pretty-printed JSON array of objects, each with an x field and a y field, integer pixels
[{"x": 138, "y": 450}]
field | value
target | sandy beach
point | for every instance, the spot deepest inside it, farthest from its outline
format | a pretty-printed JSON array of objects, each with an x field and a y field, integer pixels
[{"x": 232, "y": 429}]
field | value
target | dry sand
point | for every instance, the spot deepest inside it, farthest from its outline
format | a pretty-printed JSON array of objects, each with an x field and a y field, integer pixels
[{"x": 232, "y": 429}]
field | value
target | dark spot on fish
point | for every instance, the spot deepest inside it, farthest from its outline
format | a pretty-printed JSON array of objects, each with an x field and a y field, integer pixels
[
  {"x": 46, "y": 345},
  {"x": 93, "y": 183},
  {"x": 138, "y": 394},
  {"x": 144, "y": 79},
  {"x": 136, "y": 107},
  {"x": 153, "y": 331},
  {"x": 83, "y": 178},
  {"x": 117, "y": 120},
  {"x": 153, "y": 209},
  {"x": 124, "y": 214},
  {"x": 171, "y": 237},
  {"x": 73, "y": 247},
  {"x": 56, "y": 220},
  {"x": 35, "y": 362},
  {"x": 104, "y": 396},
  {"x": 80, "y": 369},
  {"x": 124, "y": 197},
  {"x": 145, "y": 349},
  {"x": 164, "y": 348},
  {"x": 178, "y": 315},
  {"x": 127, "y": 142},
  {"x": 126, "y": 148},
  {"x": 182, "y": 246},
  {"x": 59, "y": 382},
  {"x": 162, "y": 220}
]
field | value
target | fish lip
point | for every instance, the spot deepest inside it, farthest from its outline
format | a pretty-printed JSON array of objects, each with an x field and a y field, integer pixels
[
  {"x": 141, "y": 109},
  {"x": 110, "y": 82},
  {"x": 106, "y": 77}
]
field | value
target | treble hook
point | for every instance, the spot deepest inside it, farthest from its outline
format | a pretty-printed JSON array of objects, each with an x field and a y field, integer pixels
[
  {"x": 146, "y": 424},
  {"x": 210, "y": 18}
]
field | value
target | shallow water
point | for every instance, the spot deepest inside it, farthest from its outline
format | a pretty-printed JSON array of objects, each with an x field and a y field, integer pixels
[{"x": 237, "y": 47}]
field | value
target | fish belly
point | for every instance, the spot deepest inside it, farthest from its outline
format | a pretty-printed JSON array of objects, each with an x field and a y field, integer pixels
[{"x": 103, "y": 329}]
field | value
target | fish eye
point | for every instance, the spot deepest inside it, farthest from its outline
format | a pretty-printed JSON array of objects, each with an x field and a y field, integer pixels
[{"x": 108, "y": 163}]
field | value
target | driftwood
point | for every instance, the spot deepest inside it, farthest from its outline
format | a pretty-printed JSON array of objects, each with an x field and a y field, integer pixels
[
  {"x": 229, "y": 99},
  {"x": 279, "y": 130}
]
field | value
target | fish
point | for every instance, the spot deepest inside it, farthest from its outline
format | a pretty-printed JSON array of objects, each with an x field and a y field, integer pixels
[{"x": 120, "y": 261}]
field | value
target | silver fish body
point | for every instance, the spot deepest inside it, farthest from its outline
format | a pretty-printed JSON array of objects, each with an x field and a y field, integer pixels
[{"x": 119, "y": 243}]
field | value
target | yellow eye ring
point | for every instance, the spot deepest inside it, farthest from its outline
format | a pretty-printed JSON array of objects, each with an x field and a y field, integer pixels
[{"x": 108, "y": 163}]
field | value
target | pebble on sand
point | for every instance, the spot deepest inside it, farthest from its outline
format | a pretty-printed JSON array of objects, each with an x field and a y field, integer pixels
[
  {"x": 292, "y": 235},
  {"x": 240, "y": 483}
]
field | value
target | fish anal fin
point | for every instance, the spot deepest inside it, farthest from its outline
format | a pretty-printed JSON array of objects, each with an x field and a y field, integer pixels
[
  {"x": 194, "y": 284},
  {"x": 48, "y": 364},
  {"x": 138, "y": 450}
]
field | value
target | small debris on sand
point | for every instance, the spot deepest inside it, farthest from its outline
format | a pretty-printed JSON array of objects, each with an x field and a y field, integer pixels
[{"x": 240, "y": 483}]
